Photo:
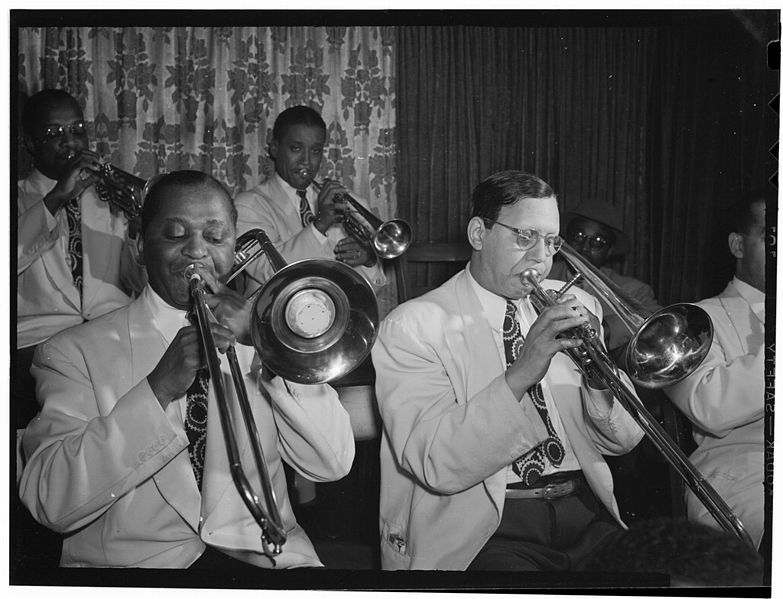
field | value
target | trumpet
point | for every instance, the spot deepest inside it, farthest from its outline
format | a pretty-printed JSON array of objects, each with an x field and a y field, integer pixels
[
  {"x": 389, "y": 239},
  {"x": 122, "y": 189},
  {"x": 665, "y": 348}
]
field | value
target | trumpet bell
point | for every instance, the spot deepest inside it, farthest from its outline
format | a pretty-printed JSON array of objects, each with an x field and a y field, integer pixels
[
  {"x": 314, "y": 321},
  {"x": 392, "y": 238},
  {"x": 669, "y": 346}
]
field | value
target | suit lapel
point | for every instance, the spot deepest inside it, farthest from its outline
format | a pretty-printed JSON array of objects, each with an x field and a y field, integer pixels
[{"x": 176, "y": 482}]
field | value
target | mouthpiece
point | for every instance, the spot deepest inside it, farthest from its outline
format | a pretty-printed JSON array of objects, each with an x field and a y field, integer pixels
[
  {"x": 529, "y": 276},
  {"x": 191, "y": 273}
]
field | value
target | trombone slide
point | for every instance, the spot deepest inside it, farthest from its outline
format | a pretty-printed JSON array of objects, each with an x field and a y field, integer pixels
[
  {"x": 593, "y": 361},
  {"x": 273, "y": 535}
]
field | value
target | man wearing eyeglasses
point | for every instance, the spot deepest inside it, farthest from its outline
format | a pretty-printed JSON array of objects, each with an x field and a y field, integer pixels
[
  {"x": 491, "y": 457},
  {"x": 73, "y": 259},
  {"x": 594, "y": 229}
]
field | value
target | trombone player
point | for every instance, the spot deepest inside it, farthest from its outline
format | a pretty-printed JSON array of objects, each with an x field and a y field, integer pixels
[
  {"x": 491, "y": 456},
  {"x": 122, "y": 456}
]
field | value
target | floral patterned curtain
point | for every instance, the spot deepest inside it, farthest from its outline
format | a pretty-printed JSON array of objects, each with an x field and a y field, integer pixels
[{"x": 159, "y": 99}]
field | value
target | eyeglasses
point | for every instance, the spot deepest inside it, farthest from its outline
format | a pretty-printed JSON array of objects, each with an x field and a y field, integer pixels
[
  {"x": 54, "y": 131},
  {"x": 596, "y": 242},
  {"x": 528, "y": 238}
]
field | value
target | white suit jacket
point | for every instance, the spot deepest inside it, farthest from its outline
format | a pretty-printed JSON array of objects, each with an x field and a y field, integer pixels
[
  {"x": 451, "y": 426},
  {"x": 107, "y": 465},
  {"x": 268, "y": 207},
  {"x": 724, "y": 399},
  {"x": 47, "y": 301}
]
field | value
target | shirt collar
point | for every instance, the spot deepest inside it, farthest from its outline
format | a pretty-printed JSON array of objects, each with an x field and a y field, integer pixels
[
  {"x": 753, "y": 296},
  {"x": 494, "y": 306},
  {"x": 167, "y": 319},
  {"x": 40, "y": 182},
  {"x": 289, "y": 190}
]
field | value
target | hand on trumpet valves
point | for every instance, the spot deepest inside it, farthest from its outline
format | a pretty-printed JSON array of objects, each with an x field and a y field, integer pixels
[
  {"x": 83, "y": 168},
  {"x": 542, "y": 342},
  {"x": 330, "y": 206}
]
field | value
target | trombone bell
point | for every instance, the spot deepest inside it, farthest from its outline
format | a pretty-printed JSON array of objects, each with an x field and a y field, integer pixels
[
  {"x": 314, "y": 321},
  {"x": 669, "y": 346}
]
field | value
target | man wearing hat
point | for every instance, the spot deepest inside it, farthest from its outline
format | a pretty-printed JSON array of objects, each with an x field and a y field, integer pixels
[{"x": 594, "y": 229}]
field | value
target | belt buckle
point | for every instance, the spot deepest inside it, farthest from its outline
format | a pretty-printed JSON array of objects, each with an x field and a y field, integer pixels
[{"x": 554, "y": 490}]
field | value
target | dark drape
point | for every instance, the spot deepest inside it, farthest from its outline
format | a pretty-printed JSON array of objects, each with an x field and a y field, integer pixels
[
  {"x": 711, "y": 132},
  {"x": 631, "y": 114}
]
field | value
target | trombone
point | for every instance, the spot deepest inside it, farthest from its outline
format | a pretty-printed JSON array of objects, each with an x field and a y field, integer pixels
[
  {"x": 389, "y": 239},
  {"x": 664, "y": 349},
  {"x": 313, "y": 321},
  {"x": 273, "y": 535}
]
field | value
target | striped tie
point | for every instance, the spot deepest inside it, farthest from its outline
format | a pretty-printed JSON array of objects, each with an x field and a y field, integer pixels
[
  {"x": 530, "y": 466},
  {"x": 305, "y": 213}
]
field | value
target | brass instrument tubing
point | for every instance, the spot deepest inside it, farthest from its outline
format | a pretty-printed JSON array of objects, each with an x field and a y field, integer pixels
[
  {"x": 273, "y": 535},
  {"x": 593, "y": 361}
]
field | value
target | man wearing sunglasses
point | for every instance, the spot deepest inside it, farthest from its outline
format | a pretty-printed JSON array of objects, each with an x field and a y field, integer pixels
[
  {"x": 493, "y": 442},
  {"x": 74, "y": 261},
  {"x": 594, "y": 229}
]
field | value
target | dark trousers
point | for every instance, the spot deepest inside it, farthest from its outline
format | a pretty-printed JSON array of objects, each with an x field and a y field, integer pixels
[{"x": 547, "y": 534}]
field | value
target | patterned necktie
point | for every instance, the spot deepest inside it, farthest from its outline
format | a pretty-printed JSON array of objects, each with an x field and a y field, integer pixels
[
  {"x": 196, "y": 422},
  {"x": 530, "y": 466},
  {"x": 305, "y": 213},
  {"x": 73, "y": 214}
]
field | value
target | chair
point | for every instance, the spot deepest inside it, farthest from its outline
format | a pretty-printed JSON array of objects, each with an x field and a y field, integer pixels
[{"x": 444, "y": 259}]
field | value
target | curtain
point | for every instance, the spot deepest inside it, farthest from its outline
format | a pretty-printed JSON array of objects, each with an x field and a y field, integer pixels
[
  {"x": 713, "y": 130},
  {"x": 159, "y": 99},
  {"x": 668, "y": 121},
  {"x": 565, "y": 103}
]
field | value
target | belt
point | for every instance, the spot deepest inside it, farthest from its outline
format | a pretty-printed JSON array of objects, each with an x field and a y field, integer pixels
[{"x": 549, "y": 491}]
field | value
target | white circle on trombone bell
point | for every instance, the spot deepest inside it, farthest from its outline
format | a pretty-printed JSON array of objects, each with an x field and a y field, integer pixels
[{"x": 310, "y": 313}]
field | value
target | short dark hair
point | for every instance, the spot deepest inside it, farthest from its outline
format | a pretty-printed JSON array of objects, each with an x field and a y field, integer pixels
[
  {"x": 741, "y": 217},
  {"x": 36, "y": 103},
  {"x": 296, "y": 115},
  {"x": 184, "y": 178},
  {"x": 504, "y": 189},
  {"x": 688, "y": 552}
]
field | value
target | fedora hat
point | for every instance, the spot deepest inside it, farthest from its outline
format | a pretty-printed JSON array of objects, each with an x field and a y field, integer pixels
[{"x": 605, "y": 213}]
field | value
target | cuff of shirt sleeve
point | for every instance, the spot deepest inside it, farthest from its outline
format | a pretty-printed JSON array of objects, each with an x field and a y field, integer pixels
[
  {"x": 320, "y": 237},
  {"x": 600, "y": 402}
]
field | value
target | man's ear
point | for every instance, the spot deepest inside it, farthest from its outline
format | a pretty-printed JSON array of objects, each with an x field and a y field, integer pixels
[
  {"x": 272, "y": 149},
  {"x": 476, "y": 231},
  {"x": 736, "y": 245}
]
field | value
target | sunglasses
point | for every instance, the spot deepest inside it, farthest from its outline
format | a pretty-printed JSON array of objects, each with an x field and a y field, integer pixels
[
  {"x": 596, "y": 242},
  {"x": 56, "y": 131}
]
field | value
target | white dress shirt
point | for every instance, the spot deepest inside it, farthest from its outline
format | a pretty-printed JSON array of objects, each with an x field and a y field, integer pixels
[{"x": 495, "y": 307}]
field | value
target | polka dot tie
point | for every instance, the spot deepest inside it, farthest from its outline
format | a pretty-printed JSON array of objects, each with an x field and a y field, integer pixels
[
  {"x": 305, "y": 213},
  {"x": 530, "y": 466},
  {"x": 196, "y": 422}
]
